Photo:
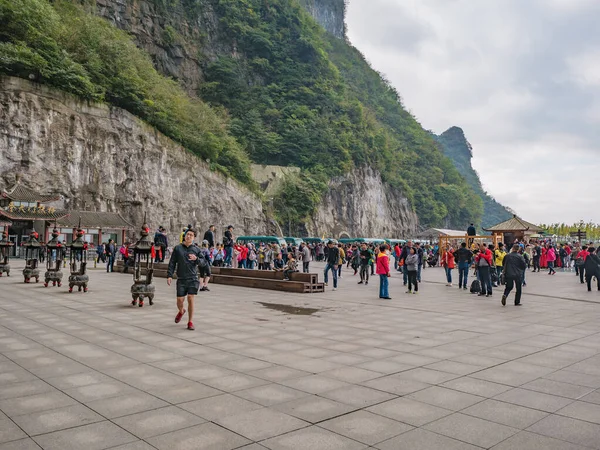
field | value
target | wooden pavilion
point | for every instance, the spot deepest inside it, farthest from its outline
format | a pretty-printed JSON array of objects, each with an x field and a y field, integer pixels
[{"x": 514, "y": 228}]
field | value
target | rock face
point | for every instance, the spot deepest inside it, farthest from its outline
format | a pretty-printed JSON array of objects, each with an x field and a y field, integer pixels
[
  {"x": 360, "y": 205},
  {"x": 329, "y": 13},
  {"x": 105, "y": 159},
  {"x": 455, "y": 146},
  {"x": 180, "y": 46}
]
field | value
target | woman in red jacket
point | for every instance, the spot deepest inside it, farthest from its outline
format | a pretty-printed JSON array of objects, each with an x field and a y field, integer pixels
[
  {"x": 448, "y": 263},
  {"x": 483, "y": 262}
]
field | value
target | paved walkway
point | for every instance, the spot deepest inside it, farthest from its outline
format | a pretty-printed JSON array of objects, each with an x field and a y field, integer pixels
[{"x": 440, "y": 370}]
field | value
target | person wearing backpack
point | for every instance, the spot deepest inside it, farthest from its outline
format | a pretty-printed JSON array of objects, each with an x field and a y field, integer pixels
[
  {"x": 204, "y": 266},
  {"x": 251, "y": 257},
  {"x": 513, "y": 269},
  {"x": 464, "y": 257},
  {"x": 483, "y": 261}
]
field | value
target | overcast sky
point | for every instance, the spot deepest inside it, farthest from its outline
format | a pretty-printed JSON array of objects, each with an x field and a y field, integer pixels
[{"x": 520, "y": 77}]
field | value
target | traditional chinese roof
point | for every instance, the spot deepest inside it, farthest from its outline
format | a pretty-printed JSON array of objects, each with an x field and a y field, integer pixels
[
  {"x": 515, "y": 224},
  {"x": 94, "y": 219},
  {"x": 441, "y": 232},
  {"x": 31, "y": 213},
  {"x": 20, "y": 193},
  {"x": 4, "y": 222}
]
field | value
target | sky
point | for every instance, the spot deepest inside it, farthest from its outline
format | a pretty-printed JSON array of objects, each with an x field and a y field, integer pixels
[{"x": 520, "y": 77}]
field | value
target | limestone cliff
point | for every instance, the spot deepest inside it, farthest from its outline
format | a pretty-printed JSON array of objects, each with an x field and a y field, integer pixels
[
  {"x": 105, "y": 159},
  {"x": 329, "y": 13},
  {"x": 359, "y": 204}
]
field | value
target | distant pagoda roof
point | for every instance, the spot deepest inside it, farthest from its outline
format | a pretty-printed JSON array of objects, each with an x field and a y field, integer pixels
[
  {"x": 515, "y": 224},
  {"x": 20, "y": 193},
  {"x": 94, "y": 219}
]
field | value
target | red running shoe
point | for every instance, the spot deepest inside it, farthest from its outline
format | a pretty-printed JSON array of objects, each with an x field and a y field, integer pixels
[
  {"x": 179, "y": 316},
  {"x": 191, "y": 326}
]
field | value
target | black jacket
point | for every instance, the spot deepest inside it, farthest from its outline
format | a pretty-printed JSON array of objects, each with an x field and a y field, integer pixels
[
  {"x": 471, "y": 231},
  {"x": 210, "y": 237},
  {"x": 514, "y": 266},
  {"x": 228, "y": 239},
  {"x": 333, "y": 256},
  {"x": 463, "y": 254},
  {"x": 592, "y": 265},
  {"x": 186, "y": 269}
]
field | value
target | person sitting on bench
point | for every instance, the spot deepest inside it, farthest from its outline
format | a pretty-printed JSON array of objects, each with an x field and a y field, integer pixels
[
  {"x": 291, "y": 267},
  {"x": 278, "y": 264}
]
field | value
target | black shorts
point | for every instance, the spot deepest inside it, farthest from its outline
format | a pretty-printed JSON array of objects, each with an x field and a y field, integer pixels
[
  {"x": 187, "y": 287},
  {"x": 204, "y": 271}
]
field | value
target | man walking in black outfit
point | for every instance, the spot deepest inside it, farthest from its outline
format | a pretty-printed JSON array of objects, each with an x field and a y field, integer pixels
[
  {"x": 185, "y": 259},
  {"x": 514, "y": 266},
  {"x": 537, "y": 254}
]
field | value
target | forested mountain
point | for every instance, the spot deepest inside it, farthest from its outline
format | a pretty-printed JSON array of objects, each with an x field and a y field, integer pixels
[
  {"x": 251, "y": 80},
  {"x": 456, "y": 147}
]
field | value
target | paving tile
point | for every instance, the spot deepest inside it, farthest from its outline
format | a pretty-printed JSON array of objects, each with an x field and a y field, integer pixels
[
  {"x": 409, "y": 411},
  {"x": 21, "y": 444},
  {"x": 271, "y": 394},
  {"x": 157, "y": 421},
  {"x": 471, "y": 430},
  {"x": 396, "y": 385},
  {"x": 313, "y": 438},
  {"x": 446, "y": 398},
  {"x": 513, "y": 373},
  {"x": 278, "y": 373},
  {"x": 427, "y": 375},
  {"x": 476, "y": 387},
  {"x": 127, "y": 404},
  {"x": 530, "y": 441},
  {"x": 455, "y": 367},
  {"x": 535, "y": 400},
  {"x": 314, "y": 384},
  {"x": 594, "y": 397},
  {"x": 35, "y": 403},
  {"x": 207, "y": 436},
  {"x": 385, "y": 366},
  {"x": 219, "y": 406},
  {"x": 56, "y": 419},
  {"x": 570, "y": 430},
  {"x": 261, "y": 423},
  {"x": 365, "y": 427},
  {"x": 98, "y": 391},
  {"x": 580, "y": 379},
  {"x": 352, "y": 374},
  {"x": 505, "y": 413},
  {"x": 358, "y": 396},
  {"x": 232, "y": 383},
  {"x": 589, "y": 412},
  {"x": 24, "y": 389},
  {"x": 420, "y": 439},
  {"x": 77, "y": 380},
  {"x": 95, "y": 436},
  {"x": 185, "y": 392},
  {"x": 314, "y": 409},
  {"x": 15, "y": 376},
  {"x": 138, "y": 445},
  {"x": 557, "y": 388},
  {"x": 9, "y": 431}
]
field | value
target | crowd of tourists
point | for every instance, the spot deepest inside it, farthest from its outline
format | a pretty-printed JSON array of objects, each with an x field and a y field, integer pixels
[{"x": 492, "y": 266}]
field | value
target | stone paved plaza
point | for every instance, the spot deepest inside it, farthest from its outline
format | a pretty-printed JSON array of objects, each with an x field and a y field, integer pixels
[{"x": 344, "y": 370}]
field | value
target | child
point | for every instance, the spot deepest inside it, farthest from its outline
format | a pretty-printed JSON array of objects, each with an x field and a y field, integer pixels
[
  {"x": 204, "y": 266},
  {"x": 383, "y": 270},
  {"x": 291, "y": 267}
]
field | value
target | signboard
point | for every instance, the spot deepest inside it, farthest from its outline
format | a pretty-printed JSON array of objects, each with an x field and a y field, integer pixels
[{"x": 578, "y": 234}]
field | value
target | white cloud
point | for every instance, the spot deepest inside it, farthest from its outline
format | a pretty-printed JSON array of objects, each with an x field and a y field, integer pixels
[{"x": 518, "y": 77}]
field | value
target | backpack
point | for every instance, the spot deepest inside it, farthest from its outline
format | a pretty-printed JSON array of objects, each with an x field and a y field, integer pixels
[
  {"x": 475, "y": 287},
  {"x": 252, "y": 255},
  {"x": 580, "y": 262}
]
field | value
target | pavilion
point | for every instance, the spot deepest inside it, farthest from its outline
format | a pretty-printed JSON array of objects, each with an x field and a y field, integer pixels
[
  {"x": 513, "y": 229},
  {"x": 23, "y": 209}
]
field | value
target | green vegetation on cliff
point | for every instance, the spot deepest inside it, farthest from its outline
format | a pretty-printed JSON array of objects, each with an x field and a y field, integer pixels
[
  {"x": 296, "y": 96},
  {"x": 301, "y": 97},
  {"x": 456, "y": 147},
  {"x": 62, "y": 45}
]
